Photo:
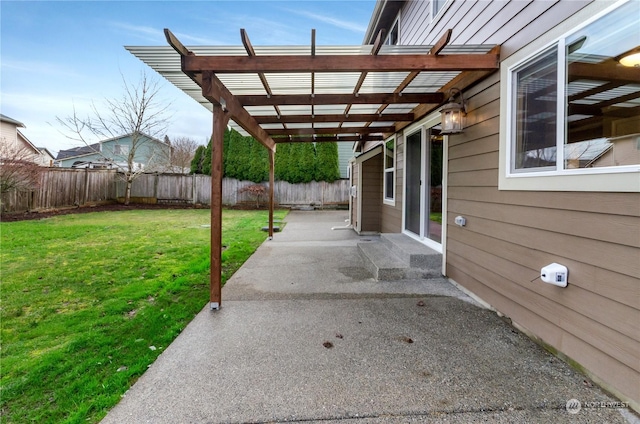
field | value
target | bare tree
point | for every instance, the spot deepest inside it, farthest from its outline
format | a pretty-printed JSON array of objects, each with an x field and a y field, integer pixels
[
  {"x": 183, "y": 149},
  {"x": 18, "y": 168},
  {"x": 138, "y": 113}
]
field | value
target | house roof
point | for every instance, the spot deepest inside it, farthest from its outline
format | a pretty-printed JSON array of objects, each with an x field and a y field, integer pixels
[
  {"x": 384, "y": 14},
  {"x": 320, "y": 93},
  {"x": 5, "y": 118},
  {"x": 78, "y": 151},
  {"x": 45, "y": 151}
]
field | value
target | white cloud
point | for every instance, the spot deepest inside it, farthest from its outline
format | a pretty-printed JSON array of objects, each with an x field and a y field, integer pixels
[
  {"x": 144, "y": 32},
  {"x": 338, "y": 23},
  {"x": 41, "y": 68},
  {"x": 191, "y": 39}
]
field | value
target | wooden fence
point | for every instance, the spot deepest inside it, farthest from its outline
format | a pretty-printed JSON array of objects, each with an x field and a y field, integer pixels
[
  {"x": 62, "y": 187},
  {"x": 180, "y": 188}
]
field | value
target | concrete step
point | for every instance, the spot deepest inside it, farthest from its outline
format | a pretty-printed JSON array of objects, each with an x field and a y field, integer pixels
[
  {"x": 416, "y": 254},
  {"x": 383, "y": 262}
]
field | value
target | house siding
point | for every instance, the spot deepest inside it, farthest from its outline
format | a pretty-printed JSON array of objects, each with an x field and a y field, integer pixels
[
  {"x": 371, "y": 196},
  {"x": 510, "y": 235}
]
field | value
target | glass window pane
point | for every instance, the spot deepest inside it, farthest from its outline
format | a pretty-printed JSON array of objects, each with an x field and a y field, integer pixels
[
  {"x": 602, "y": 95},
  {"x": 388, "y": 184},
  {"x": 389, "y": 156},
  {"x": 535, "y": 115},
  {"x": 437, "y": 6}
]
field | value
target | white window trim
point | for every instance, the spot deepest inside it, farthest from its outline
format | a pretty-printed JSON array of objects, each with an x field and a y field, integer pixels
[
  {"x": 435, "y": 17},
  {"x": 388, "y": 200},
  {"x": 620, "y": 178},
  {"x": 396, "y": 23}
]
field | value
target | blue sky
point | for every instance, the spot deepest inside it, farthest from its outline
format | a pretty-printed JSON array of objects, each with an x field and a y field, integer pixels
[{"x": 57, "y": 55}]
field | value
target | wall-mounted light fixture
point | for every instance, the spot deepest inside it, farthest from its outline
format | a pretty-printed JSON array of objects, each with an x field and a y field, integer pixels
[
  {"x": 453, "y": 114},
  {"x": 630, "y": 58}
]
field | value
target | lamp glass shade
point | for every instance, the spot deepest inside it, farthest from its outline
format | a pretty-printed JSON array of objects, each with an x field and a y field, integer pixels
[
  {"x": 632, "y": 60},
  {"x": 452, "y": 116}
]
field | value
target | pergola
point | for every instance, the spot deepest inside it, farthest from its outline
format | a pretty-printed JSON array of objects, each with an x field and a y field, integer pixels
[{"x": 312, "y": 94}]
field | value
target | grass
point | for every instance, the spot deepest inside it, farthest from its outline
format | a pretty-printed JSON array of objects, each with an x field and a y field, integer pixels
[
  {"x": 435, "y": 217},
  {"x": 90, "y": 300}
]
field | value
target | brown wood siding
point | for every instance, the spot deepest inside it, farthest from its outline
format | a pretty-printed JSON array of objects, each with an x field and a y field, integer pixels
[
  {"x": 371, "y": 199},
  {"x": 511, "y": 235},
  {"x": 392, "y": 215}
]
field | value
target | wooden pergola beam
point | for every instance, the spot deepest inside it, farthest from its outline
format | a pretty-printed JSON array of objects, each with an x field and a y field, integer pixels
[
  {"x": 251, "y": 52},
  {"x": 603, "y": 72},
  {"x": 332, "y": 131},
  {"x": 328, "y": 138},
  {"x": 363, "y": 117},
  {"x": 340, "y": 99},
  {"x": 214, "y": 91},
  {"x": 441, "y": 43},
  {"x": 340, "y": 63}
]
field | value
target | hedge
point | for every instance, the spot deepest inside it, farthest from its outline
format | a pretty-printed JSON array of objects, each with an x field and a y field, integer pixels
[{"x": 246, "y": 159}]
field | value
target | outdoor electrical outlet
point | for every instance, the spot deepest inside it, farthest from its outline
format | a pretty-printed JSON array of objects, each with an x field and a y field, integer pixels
[{"x": 555, "y": 274}]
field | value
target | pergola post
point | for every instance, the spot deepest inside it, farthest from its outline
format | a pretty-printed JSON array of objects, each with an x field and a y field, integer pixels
[
  {"x": 272, "y": 153},
  {"x": 220, "y": 120}
]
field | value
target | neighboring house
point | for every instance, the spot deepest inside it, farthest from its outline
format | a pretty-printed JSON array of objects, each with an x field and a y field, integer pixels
[
  {"x": 47, "y": 156},
  {"x": 547, "y": 170},
  {"x": 148, "y": 154},
  {"x": 14, "y": 141}
]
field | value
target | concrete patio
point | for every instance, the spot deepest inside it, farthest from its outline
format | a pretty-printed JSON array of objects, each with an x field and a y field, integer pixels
[{"x": 305, "y": 334}]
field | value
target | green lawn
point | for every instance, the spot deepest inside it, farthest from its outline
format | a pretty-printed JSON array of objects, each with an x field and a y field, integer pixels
[{"x": 88, "y": 301}]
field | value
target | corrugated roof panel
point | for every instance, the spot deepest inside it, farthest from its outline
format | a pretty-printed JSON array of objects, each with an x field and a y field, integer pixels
[
  {"x": 167, "y": 62},
  {"x": 429, "y": 82},
  {"x": 295, "y": 109},
  {"x": 299, "y": 125},
  {"x": 364, "y": 108},
  {"x": 329, "y": 109}
]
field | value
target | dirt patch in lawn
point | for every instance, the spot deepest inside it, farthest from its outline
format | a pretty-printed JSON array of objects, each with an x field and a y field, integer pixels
[{"x": 111, "y": 207}]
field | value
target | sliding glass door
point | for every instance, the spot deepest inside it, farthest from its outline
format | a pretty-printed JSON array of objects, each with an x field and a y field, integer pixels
[{"x": 423, "y": 185}]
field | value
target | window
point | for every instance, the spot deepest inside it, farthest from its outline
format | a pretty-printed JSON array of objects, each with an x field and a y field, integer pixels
[
  {"x": 393, "y": 38},
  {"x": 120, "y": 150},
  {"x": 437, "y": 6},
  {"x": 389, "y": 170},
  {"x": 573, "y": 106}
]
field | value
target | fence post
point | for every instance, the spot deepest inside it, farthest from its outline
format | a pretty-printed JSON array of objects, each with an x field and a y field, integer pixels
[
  {"x": 85, "y": 192},
  {"x": 155, "y": 186},
  {"x": 193, "y": 188}
]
